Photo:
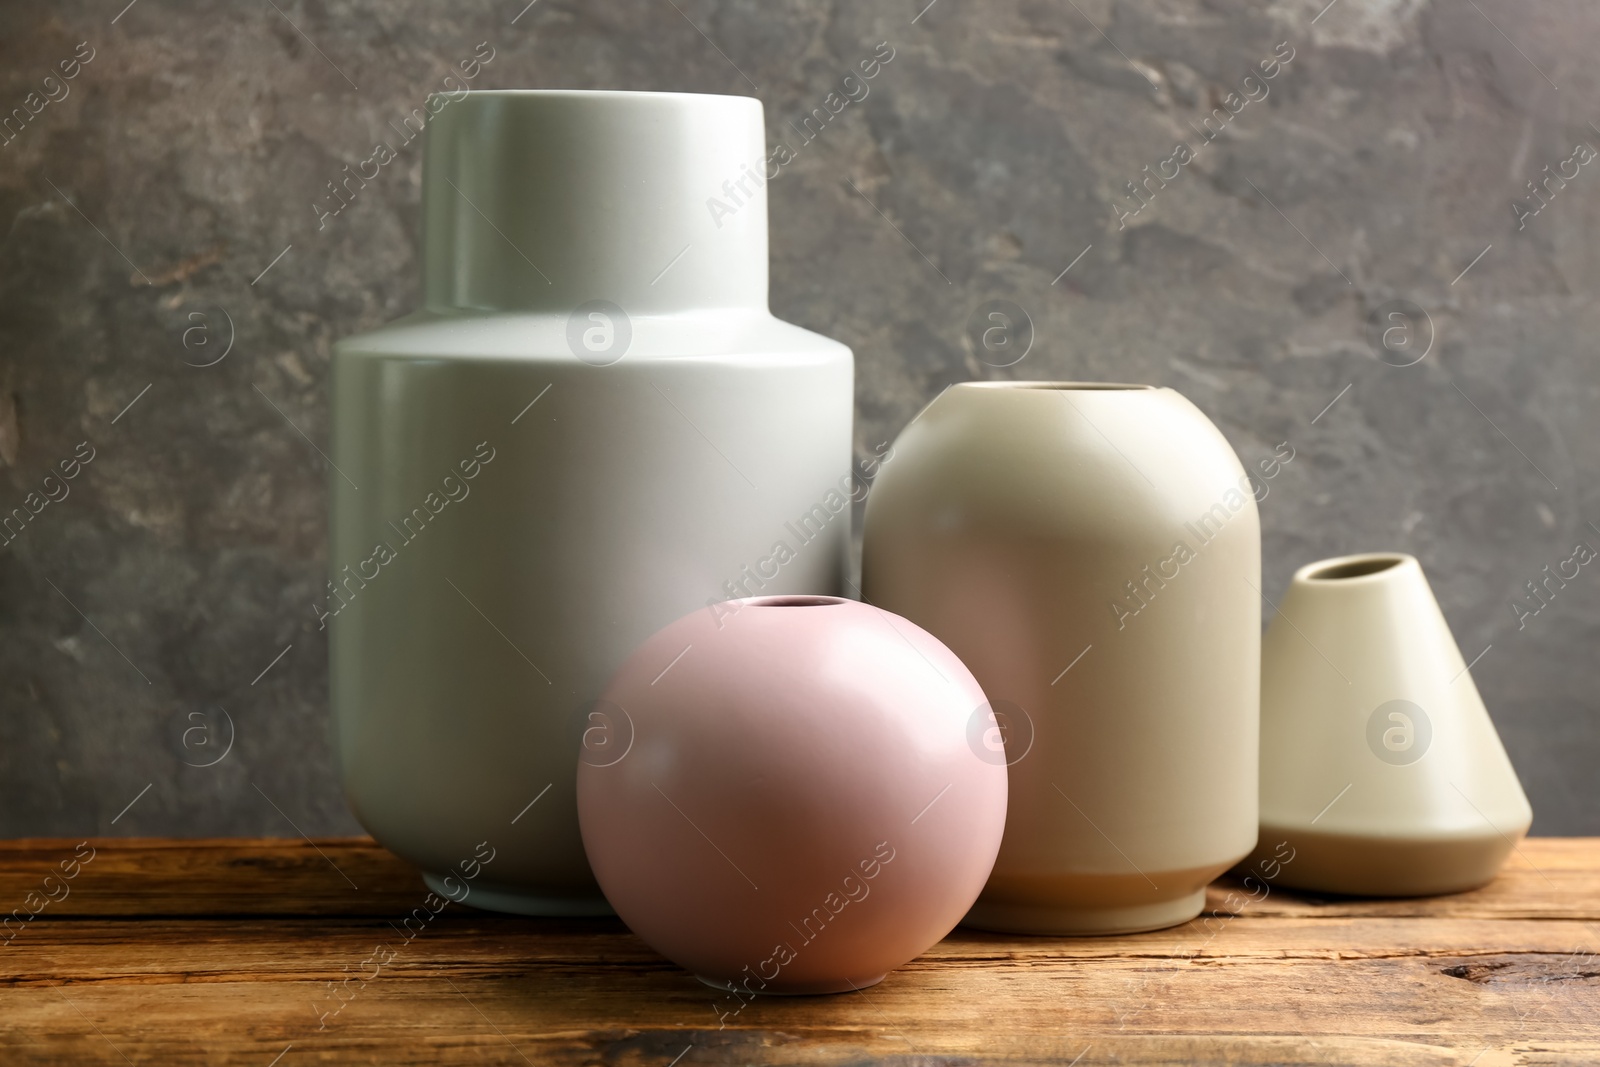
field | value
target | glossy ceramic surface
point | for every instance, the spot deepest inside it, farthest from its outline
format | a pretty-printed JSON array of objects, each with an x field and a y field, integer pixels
[{"x": 788, "y": 798}]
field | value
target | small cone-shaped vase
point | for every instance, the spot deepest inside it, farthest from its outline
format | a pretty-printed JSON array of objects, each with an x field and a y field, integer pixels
[{"x": 1380, "y": 767}]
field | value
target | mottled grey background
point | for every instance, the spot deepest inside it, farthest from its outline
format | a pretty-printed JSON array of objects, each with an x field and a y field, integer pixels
[{"x": 991, "y": 152}]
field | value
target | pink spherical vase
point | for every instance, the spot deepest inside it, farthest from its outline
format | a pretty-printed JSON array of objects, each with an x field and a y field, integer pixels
[{"x": 791, "y": 794}]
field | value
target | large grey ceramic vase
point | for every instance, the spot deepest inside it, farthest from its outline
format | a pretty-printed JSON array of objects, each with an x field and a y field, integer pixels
[{"x": 592, "y": 426}]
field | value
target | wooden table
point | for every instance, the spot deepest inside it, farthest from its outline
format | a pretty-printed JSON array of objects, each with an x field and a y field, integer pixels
[{"x": 268, "y": 952}]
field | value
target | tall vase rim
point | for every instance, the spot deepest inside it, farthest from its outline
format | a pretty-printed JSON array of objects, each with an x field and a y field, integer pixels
[
  {"x": 1361, "y": 568},
  {"x": 588, "y": 94}
]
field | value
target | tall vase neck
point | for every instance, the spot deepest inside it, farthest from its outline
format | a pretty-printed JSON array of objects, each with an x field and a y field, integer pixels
[{"x": 540, "y": 200}]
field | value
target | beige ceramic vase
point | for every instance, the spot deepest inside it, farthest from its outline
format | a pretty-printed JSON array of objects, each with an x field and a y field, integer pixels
[
  {"x": 1092, "y": 553},
  {"x": 1380, "y": 767}
]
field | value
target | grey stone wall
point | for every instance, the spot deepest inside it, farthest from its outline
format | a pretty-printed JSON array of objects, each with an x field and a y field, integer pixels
[{"x": 160, "y": 209}]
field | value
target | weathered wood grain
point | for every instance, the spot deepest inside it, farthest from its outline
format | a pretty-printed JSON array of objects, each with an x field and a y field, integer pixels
[
  {"x": 239, "y": 951},
  {"x": 201, "y": 878}
]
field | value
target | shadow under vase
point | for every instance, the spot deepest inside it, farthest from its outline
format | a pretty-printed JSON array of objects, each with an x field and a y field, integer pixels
[{"x": 489, "y": 896}]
